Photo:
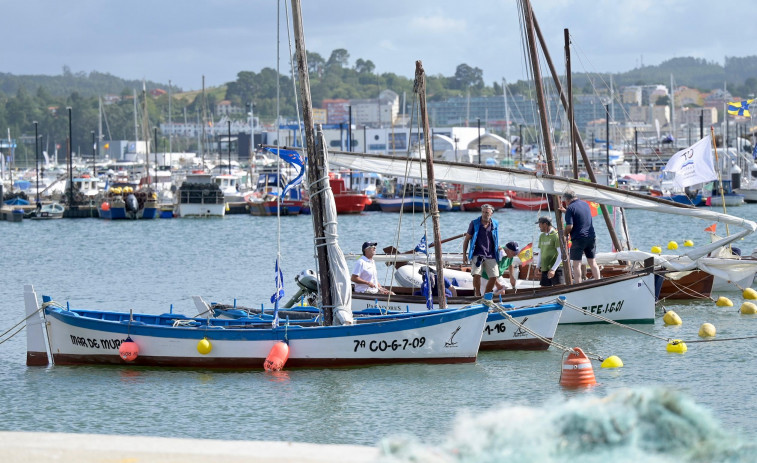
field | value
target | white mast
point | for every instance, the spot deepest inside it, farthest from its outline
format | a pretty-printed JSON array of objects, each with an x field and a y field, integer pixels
[
  {"x": 170, "y": 124},
  {"x": 507, "y": 110},
  {"x": 673, "y": 110}
]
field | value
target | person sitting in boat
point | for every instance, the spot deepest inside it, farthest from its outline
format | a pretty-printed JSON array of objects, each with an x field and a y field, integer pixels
[
  {"x": 482, "y": 255},
  {"x": 364, "y": 275},
  {"x": 449, "y": 290},
  {"x": 508, "y": 262}
]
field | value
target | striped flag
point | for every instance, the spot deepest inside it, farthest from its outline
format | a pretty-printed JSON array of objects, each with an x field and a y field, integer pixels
[
  {"x": 278, "y": 294},
  {"x": 526, "y": 254},
  {"x": 740, "y": 108},
  {"x": 422, "y": 246}
]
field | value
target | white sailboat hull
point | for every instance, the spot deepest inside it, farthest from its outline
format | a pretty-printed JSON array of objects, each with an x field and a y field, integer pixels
[
  {"x": 200, "y": 210},
  {"x": 626, "y": 299},
  {"x": 94, "y": 337}
]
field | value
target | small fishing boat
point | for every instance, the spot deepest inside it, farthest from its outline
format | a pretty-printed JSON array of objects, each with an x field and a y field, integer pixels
[
  {"x": 85, "y": 337},
  {"x": 198, "y": 196},
  {"x": 265, "y": 199},
  {"x": 413, "y": 198},
  {"x": 529, "y": 201},
  {"x": 53, "y": 210},
  {"x": 506, "y": 328},
  {"x": 473, "y": 199}
]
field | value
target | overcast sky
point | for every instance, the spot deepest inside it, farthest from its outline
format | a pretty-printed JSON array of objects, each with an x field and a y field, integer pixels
[{"x": 183, "y": 40}]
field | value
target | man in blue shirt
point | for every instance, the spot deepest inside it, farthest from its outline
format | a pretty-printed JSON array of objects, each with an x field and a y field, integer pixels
[
  {"x": 482, "y": 254},
  {"x": 578, "y": 224}
]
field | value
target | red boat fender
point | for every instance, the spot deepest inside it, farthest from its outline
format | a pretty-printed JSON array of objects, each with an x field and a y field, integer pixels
[
  {"x": 577, "y": 370},
  {"x": 277, "y": 357},
  {"x": 129, "y": 350},
  {"x": 105, "y": 206}
]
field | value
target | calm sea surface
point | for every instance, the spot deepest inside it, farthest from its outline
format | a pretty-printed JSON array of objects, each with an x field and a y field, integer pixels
[{"x": 148, "y": 266}]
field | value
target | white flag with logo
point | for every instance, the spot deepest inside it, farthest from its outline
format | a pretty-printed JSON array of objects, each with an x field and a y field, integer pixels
[{"x": 693, "y": 165}]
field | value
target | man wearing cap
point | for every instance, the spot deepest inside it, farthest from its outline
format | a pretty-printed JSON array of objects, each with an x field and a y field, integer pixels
[
  {"x": 579, "y": 225},
  {"x": 364, "y": 275},
  {"x": 482, "y": 232},
  {"x": 549, "y": 258},
  {"x": 509, "y": 263}
]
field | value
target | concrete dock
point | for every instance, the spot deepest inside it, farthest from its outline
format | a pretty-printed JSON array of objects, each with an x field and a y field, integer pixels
[{"x": 38, "y": 447}]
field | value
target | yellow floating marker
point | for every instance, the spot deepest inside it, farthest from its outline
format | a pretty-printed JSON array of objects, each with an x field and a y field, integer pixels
[
  {"x": 671, "y": 318},
  {"x": 676, "y": 346},
  {"x": 707, "y": 330},
  {"x": 724, "y": 302},
  {"x": 612, "y": 361},
  {"x": 688, "y": 244},
  {"x": 749, "y": 293},
  {"x": 656, "y": 250},
  {"x": 204, "y": 346},
  {"x": 672, "y": 245},
  {"x": 748, "y": 308}
]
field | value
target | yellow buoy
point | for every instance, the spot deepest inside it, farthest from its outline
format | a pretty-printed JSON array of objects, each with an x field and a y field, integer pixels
[
  {"x": 724, "y": 302},
  {"x": 204, "y": 346},
  {"x": 676, "y": 346},
  {"x": 671, "y": 318},
  {"x": 748, "y": 308},
  {"x": 612, "y": 361},
  {"x": 688, "y": 244},
  {"x": 656, "y": 250},
  {"x": 749, "y": 293},
  {"x": 707, "y": 330},
  {"x": 672, "y": 245}
]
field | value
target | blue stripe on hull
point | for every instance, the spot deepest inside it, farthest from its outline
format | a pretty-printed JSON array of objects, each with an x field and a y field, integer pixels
[{"x": 292, "y": 332}]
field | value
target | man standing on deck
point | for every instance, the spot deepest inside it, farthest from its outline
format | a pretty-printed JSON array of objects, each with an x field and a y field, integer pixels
[
  {"x": 482, "y": 254},
  {"x": 549, "y": 258},
  {"x": 579, "y": 225}
]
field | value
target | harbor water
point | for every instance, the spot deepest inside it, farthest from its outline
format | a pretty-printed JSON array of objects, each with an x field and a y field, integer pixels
[{"x": 156, "y": 266}]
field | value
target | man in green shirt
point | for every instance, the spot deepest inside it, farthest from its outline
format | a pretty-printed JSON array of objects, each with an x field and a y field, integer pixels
[{"x": 549, "y": 258}]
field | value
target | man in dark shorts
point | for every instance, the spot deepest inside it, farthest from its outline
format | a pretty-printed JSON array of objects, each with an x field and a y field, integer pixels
[
  {"x": 549, "y": 258},
  {"x": 579, "y": 225}
]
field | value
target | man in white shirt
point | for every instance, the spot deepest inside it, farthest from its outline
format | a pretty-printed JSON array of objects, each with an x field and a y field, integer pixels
[{"x": 364, "y": 275}]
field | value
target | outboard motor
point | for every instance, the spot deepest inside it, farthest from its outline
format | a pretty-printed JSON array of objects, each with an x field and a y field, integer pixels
[
  {"x": 308, "y": 281},
  {"x": 132, "y": 205}
]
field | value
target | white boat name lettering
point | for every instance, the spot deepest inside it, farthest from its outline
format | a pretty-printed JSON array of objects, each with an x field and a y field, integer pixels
[
  {"x": 95, "y": 343},
  {"x": 394, "y": 345},
  {"x": 604, "y": 308}
]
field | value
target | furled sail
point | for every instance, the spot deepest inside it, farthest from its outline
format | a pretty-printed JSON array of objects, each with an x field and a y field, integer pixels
[
  {"x": 341, "y": 286},
  {"x": 502, "y": 178}
]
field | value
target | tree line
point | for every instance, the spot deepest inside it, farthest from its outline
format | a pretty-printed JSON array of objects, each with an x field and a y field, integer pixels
[{"x": 45, "y": 99}]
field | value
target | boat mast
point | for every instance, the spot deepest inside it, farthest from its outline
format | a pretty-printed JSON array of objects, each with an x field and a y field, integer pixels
[
  {"x": 420, "y": 89},
  {"x": 146, "y": 132},
  {"x": 576, "y": 134},
  {"x": 315, "y": 165},
  {"x": 569, "y": 78},
  {"x": 529, "y": 23},
  {"x": 204, "y": 116}
]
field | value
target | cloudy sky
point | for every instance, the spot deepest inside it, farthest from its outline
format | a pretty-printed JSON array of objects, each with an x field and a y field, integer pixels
[{"x": 182, "y": 41}]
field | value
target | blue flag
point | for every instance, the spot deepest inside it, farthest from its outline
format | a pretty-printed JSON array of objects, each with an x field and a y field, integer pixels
[
  {"x": 293, "y": 158},
  {"x": 278, "y": 294},
  {"x": 422, "y": 246},
  {"x": 754, "y": 154},
  {"x": 427, "y": 289}
]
